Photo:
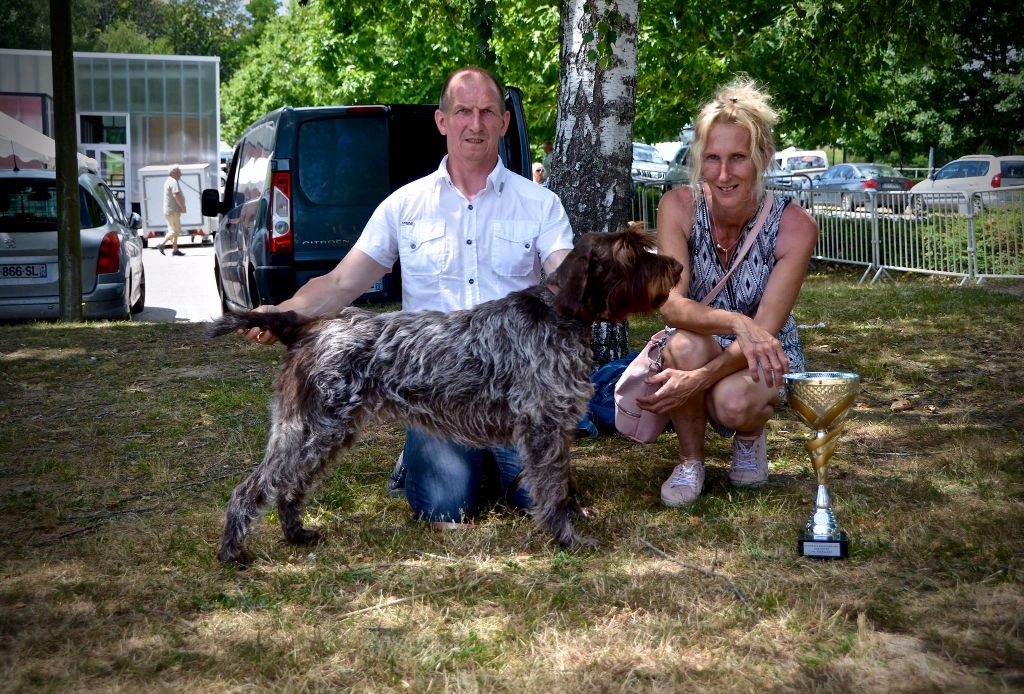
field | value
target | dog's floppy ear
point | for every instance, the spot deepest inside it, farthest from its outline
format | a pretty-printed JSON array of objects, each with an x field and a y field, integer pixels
[{"x": 571, "y": 278}]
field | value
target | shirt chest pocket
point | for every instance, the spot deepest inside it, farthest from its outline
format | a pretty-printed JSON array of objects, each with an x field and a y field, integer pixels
[
  {"x": 514, "y": 247},
  {"x": 423, "y": 247}
]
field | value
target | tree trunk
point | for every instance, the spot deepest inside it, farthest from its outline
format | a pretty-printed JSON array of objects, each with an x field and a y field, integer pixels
[
  {"x": 69, "y": 235},
  {"x": 593, "y": 152}
]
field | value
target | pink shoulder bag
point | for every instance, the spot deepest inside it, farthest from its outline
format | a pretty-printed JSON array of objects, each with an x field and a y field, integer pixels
[{"x": 642, "y": 425}]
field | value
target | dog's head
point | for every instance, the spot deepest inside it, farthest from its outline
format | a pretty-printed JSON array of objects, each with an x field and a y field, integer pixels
[{"x": 613, "y": 275}]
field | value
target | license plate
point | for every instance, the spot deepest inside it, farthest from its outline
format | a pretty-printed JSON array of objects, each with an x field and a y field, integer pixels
[{"x": 27, "y": 271}]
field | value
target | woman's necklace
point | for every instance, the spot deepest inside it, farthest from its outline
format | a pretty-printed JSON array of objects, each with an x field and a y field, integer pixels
[
  {"x": 724, "y": 250},
  {"x": 719, "y": 247}
]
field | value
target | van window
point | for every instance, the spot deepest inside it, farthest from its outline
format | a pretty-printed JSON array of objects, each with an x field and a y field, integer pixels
[
  {"x": 252, "y": 171},
  {"x": 344, "y": 160}
]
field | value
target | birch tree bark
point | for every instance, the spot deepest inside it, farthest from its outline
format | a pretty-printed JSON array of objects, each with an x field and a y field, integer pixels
[{"x": 590, "y": 164}]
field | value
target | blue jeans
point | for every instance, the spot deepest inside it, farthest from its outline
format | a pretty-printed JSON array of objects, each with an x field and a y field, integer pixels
[{"x": 446, "y": 481}]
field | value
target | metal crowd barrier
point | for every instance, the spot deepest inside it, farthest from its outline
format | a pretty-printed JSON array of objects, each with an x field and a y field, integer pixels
[
  {"x": 969, "y": 236},
  {"x": 643, "y": 201},
  {"x": 974, "y": 236}
]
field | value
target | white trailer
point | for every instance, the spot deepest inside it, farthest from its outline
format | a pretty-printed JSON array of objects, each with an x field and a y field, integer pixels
[{"x": 194, "y": 178}]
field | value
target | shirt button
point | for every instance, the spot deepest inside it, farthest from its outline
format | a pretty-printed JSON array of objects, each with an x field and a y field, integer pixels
[
  {"x": 471, "y": 281},
  {"x": 469, "y": 242},
  {"x": 527, "y": 244},
  {"x": 470, "y": 207},
  {"x": 412, "y": 245}
]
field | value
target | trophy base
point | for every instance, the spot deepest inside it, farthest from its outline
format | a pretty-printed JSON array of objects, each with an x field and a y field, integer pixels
[{"x": 836, "y": 548}]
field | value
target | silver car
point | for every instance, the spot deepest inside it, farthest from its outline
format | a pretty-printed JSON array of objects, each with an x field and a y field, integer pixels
[
  {"x": 113, "y": 278},
  {"x": 648, "y": 165}
]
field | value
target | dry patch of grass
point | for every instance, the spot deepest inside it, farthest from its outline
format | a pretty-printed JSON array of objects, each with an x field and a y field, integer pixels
[{"x": 120, "y": 443}]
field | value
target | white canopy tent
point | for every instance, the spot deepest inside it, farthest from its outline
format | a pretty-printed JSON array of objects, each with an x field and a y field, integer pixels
[{"x": 24, "y": 148}]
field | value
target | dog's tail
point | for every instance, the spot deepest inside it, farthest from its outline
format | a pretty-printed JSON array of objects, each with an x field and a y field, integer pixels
[{"x": 288, "y": 326}]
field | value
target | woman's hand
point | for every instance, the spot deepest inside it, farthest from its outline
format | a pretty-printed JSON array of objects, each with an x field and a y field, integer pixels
[
  {"x": 763, "y": 352},
  {"x": 677, "y": 387}
]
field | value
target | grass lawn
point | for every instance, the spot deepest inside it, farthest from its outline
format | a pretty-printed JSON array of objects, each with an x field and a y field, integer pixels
[{"x": 121, "y": 442}]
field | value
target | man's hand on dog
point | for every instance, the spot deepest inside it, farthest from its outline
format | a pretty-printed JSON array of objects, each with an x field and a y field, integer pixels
[{"x": 260, "y": 335}]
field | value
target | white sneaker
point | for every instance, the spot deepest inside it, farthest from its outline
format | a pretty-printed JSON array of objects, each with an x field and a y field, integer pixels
[
  {"x": 684, "y": 485},
  {"x": 749, "y": 462}
]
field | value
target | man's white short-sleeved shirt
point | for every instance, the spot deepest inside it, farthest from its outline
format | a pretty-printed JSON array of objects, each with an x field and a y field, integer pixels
[
  {"x": 457, "y": 253},
  {"x": 171, "y": 187}
]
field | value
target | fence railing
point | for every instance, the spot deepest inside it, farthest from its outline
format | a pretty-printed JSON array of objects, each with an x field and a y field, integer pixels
[{"x": 972, "y": 236}]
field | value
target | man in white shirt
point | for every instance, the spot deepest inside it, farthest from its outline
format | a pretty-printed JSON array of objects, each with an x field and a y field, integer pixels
[
  {"x": 174, "y": 207},
  {"x": 469, "y": 232}
]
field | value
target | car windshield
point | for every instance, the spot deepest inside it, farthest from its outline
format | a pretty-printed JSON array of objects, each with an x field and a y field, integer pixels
[
  {"x": 647, "y": 153},
  {"x": 878, "y": 171}
]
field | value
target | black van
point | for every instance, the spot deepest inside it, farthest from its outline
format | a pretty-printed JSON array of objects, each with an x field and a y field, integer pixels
[{"x": 303, "y": 182}]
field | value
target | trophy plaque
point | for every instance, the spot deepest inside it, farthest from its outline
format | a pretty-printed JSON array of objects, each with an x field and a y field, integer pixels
[{"x": 822, "y": 399}]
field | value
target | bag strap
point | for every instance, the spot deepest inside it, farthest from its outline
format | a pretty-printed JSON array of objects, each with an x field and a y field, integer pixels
[{"x": 766, "y": 209}]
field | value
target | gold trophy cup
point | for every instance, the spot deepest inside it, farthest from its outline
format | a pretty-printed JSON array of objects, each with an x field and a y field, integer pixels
[{"x": 822, "y": 399}]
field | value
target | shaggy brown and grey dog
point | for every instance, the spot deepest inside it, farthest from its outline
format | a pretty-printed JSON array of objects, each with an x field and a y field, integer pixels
[{"x": 510, "y": 372}]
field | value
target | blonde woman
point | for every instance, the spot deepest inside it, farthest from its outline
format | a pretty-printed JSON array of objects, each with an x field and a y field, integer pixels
[{"x": 725, "y": 361}]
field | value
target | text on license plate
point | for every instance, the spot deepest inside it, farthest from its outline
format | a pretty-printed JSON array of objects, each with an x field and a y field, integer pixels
[{"x": 26, "y": 271}]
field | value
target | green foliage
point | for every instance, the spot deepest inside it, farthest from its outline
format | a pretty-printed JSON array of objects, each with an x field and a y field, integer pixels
[
  {"x": 883, "y": 80},
  {"x": 25, "y": 25},
  {"x": 124, "y": 36}
]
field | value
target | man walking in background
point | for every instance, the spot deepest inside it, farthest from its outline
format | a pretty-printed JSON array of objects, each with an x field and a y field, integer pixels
[{"x": 174, "y": 207}]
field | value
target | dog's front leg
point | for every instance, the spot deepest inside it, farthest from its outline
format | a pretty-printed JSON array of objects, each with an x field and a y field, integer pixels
[{"x": 545, "y": 454}]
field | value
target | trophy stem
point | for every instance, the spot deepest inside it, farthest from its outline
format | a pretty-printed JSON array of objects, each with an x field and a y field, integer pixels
[
  {"x": 823, "y": 499},
  {"x": 822, "y": 525}
]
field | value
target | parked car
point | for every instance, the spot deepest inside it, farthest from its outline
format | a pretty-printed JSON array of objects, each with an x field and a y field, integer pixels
[
  {"x": 303, "y": 182},
  {"x": 113, "y": 277},
  {"x": 777, "y": 177},
  {"x": 678, "y": 173},
  {"x": 966, "y": 175},
  {"x": 848, "y": 186},
  {"x": 804, "y": 164},
  {"x": 669, "y": 150},
  {"x": 648, "y": 165}
]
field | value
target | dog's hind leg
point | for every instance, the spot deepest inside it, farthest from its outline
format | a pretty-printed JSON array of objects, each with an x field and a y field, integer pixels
[
  {"x": 252, "y": 495},
  {"x": 545, "y": 454},
  {"x": 314, "y": 461}
]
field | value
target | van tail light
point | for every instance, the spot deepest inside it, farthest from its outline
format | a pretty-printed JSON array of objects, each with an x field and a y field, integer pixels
[
  {"x": 997, "y": 180},
  {"x": 870, "y": 184},
  {"x": 281, "y": 212},
  {"x": 110, "y": 254}
]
